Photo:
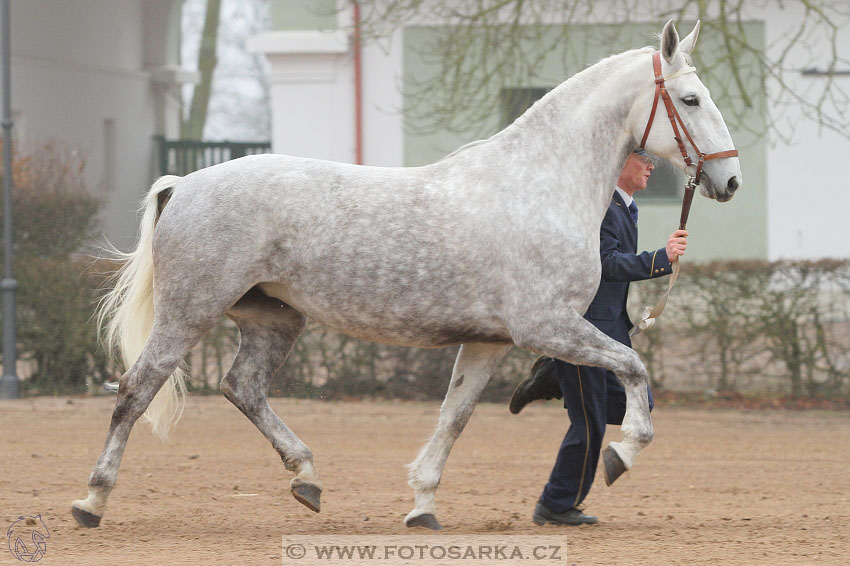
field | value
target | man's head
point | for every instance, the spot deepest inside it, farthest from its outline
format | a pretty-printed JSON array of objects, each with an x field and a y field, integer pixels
[{"x": 635, "y": 172}]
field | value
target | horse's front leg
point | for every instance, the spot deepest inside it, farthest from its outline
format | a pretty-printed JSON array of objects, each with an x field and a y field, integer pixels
[
  {"x": 568, "y": 336},
  {"x": 473, "y": 367}
]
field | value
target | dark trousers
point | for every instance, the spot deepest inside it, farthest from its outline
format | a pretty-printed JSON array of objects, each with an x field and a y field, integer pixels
[{"x": 593, "y": 398}]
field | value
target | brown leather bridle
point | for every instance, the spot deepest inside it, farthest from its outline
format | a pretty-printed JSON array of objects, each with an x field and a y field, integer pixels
[{"x": 676, "y": 121}]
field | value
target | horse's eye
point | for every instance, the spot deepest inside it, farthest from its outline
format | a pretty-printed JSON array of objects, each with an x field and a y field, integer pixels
[{"x": 691, "y": 100}]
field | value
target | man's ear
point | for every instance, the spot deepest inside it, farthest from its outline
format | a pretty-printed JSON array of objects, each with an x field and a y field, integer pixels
[
  {"x": 687, "y": 44},
  {"x": 669, "y": 41}
]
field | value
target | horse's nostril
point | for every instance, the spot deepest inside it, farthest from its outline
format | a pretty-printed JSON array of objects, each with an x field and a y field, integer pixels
[{"x": 732, "y": 185}]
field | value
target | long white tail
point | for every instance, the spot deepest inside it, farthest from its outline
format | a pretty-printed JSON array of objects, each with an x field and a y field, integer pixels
[{"x": 125, "y": 315}]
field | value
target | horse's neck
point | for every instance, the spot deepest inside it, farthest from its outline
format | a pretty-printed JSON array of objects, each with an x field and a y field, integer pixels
[{"x": 580, "y": 133}]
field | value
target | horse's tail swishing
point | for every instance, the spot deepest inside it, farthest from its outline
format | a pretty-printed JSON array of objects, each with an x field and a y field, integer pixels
[{"x": 126, "y": 314}]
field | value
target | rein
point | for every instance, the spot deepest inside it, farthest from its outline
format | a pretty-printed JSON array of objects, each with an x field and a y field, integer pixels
[{"x": 650, "y": 314}]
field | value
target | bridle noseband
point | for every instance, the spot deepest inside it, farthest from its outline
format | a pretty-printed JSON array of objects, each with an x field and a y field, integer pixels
[{"x": 676, "y": 121}]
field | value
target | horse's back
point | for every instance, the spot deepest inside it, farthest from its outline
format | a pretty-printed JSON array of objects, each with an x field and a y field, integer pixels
[{"x": 365, "y": 250}]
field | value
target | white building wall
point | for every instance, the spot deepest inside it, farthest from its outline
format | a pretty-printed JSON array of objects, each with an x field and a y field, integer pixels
[
  {"x": 808, "y": 186},
  {"x": 313, "y": 115},
  {"x": 82, "y": 76},
  {"x": 383, "y": 121}
]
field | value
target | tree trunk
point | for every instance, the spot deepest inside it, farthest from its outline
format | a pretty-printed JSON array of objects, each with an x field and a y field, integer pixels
[{"x": 193, "y": 128}]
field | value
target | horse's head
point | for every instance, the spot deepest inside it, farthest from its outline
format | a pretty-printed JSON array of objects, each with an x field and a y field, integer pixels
[{"x": 721, "y": 176}]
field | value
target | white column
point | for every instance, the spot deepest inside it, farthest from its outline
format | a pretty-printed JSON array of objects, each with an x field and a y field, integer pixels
[
  {"x": 312, "y": 92},
  {"x": 168, "y": 81}
]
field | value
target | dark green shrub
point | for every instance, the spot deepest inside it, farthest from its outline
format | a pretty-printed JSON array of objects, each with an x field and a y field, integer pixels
[{"x": 54, "y": 216}]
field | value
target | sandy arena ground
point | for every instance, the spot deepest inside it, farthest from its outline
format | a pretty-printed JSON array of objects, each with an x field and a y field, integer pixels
[{"x": 716, "y": 487}]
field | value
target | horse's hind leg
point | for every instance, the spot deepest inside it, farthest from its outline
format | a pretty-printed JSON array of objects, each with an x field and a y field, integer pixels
[
  {"x": 571, "y": 338},
  {"x": 268, "y": 330},
  {"x": 473, "y": 367},
  {"x": 167, "y": 344}
]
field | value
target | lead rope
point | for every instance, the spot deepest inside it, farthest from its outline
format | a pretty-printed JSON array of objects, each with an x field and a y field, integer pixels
[{"x": 650, "y": 314}]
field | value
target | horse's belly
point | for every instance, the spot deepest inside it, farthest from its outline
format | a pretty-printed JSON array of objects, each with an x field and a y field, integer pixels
[{"x": 421, "y": 324}]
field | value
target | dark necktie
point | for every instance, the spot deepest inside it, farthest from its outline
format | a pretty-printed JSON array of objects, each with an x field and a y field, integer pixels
[{"x": 633, "y": 212}]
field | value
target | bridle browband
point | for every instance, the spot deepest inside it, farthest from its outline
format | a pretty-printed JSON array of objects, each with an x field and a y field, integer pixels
[{"x": 676, "y": 121}]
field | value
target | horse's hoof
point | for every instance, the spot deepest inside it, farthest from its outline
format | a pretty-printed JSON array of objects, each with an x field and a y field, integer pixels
[
  {"x": 84, "y": 518},
  {"x": 427, "y": 520},
  {"x": 613, "y": 465},
  {"x": 308, "y": 495}
]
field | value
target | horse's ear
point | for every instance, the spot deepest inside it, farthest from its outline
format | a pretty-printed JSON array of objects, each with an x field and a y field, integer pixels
[
  {"x": 669, "y": 41},
  {"x": 687, "y": 44}
]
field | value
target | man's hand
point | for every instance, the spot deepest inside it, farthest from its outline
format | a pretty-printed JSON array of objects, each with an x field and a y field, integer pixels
[{"x": 676, "y": 244}]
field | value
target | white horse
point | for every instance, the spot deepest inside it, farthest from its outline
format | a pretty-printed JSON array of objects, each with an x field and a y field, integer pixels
[{"x": 494, "y": 246}]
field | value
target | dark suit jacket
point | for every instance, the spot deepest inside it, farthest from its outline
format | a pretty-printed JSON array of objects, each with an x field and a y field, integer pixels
[{"x": 621, "y": 265}]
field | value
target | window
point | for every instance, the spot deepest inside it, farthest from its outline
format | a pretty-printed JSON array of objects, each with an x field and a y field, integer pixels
[{"x": 665, "y": 182}]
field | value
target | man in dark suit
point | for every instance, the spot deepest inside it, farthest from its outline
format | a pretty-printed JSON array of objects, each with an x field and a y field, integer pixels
[{"x": 594, "y": 396}]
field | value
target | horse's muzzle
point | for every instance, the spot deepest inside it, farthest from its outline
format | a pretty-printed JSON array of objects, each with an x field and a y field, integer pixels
[{"x": 728, "y": 192}]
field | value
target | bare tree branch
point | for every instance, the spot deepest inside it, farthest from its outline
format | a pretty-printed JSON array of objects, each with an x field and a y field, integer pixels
[{"x": 481, "y": 46}]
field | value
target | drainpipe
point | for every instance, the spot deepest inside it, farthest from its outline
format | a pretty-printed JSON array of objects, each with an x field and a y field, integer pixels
[{"x": 358, "y": 87}]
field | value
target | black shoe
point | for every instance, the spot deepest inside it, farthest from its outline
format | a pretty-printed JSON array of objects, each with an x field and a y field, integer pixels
[
  {"x": 541, "y": 383},
  {"x": 572, "y": 517}
]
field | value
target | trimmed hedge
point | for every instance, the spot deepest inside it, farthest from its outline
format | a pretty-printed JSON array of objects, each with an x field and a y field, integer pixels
[
  {"x": 764, "y": 327},
  {"x": 54, "y": 216},
  {"x": 761, "y": 327}
]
